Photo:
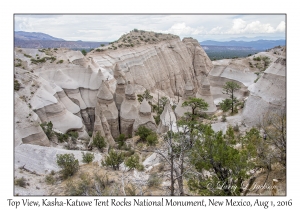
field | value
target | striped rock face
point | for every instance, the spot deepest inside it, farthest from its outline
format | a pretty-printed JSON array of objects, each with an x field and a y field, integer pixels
[{"x": 98, "y": 92}]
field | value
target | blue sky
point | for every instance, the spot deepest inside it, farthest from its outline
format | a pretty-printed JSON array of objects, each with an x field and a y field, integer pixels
[{"x": 111, "y": 27}]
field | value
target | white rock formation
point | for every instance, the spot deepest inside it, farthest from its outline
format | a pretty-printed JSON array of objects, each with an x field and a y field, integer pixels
[
  {"x": 107, "y": 106},
  {"x": 27, "y": 125},
  {"x": 97, "y": 93},
  {"x": 268, "y": 94},
  {"x": 120, "y": 91},
  {"x": 145, "y": 117},
  {"x": 101, "y": 125},
  {"x": 129, "y": 110},
  {"x": 167, "y": 120},
  {"x": 43, "y": 159}
]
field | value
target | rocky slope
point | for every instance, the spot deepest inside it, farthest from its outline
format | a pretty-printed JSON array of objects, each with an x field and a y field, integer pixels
[
  {"x": 98, "y": 92},
  {"x": 263, "y": 83},
  {"x": 77, "y": 91}
]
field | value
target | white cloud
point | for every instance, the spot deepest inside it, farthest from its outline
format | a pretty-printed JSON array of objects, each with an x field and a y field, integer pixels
[
  {"x": 255, "y": 27},
  {"x": 216, "y": 30},
  {"x": 281, "y": 27},
  {"x": 181, "y": 29},
  {"x": 238, "y": 24},
  {"x": 111, "y": 27}
]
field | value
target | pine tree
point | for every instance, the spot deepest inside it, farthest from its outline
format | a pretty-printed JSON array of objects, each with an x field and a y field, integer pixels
[
  {"x": 99, "y": 142},
  {"x": 197, "y": 105},
  {"x": 214, "y": 153},
  {"x": 229, "y": 88},
  {"x": 114, "y": 159}
]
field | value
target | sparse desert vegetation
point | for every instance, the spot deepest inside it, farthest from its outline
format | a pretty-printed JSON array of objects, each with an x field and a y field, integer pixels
[{"x": 148, "y": 114}]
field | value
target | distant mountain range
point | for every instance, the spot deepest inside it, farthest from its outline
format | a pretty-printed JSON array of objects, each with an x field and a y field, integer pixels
[
  {"x": 248, "y": 39},
  {"x": 254, "y": 45},
  {"x": 40, "y": 40},
  {"x": 22, "y": 35},
  {"x": 213, "y": 47}
]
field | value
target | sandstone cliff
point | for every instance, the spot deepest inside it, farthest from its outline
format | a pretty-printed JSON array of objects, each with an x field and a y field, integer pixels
[{"x": 98, "y": 90}]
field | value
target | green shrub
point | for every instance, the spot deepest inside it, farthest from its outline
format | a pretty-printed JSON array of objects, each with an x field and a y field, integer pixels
[
  {"x": 140, "y": 167},
  {"x": 60, "y": 61},
  {"x": 20, "y": 182},
  {"x": 98, "y": 141},
  {"x": 38, "y": 60},
  {"x": 121, "y": 140},
  {"x": 154, "y": 180},
  {"x": 235, "y": 110},
  {"x": 48, "y": 129},
  {"x": 257, "y": 58},
  {"x": 143, "y": 132},
  {"x": 152, "y": 139},
  {"x": 102, "y": 45},
  {"x": 157, "y": 119},
  {"x": 83, "y": 186},
  {"x": 17, "y": 85},
  {"x": 62, "y": 137},
  {"x": 225, "y": 105},
  {"x": 49, "y": 179},
  {"x": 52, "y": 172},
  {"x": 90, "y": 133},
  {"x": 28, "y": 56},
  {"x": 223, "y": 119},
  {"x": 174, "y": 107},
  {"x": 68, "y": 163},
  {"x": 83, "y": 52},
  {"x": 89, "y": 185},
  {"x": 236, "y": 128},
  {"x": 73, "y": 135},
  {"x": 52, "y": 59},
  {"x": 128, "y": 149},
  {"x": 133, "y": 162},
  {"x": 87, "y": 157},
  {"x": 114, "y": 159},
  {"x": 203, "y": 115}
]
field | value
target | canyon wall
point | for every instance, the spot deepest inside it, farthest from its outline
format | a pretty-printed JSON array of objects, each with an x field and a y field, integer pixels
[{"x": 97, "y": 92}]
